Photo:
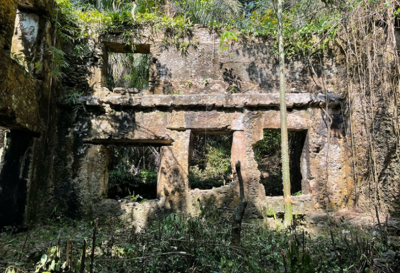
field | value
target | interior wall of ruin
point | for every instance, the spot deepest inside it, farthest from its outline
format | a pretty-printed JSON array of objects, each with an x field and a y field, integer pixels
[
  {"x": 65, "y": 162},
  {"x": 27, "y": 109},
  {"x": 112, "y": 118}
]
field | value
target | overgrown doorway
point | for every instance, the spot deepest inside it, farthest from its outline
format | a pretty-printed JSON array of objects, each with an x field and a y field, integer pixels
[
  {"x": 210, "y": 163},
  {"x": 268, "y": 156},
  {"x": 133, "y": 172}
]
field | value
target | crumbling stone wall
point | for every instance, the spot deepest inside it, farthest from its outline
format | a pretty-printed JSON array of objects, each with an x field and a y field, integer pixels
[
  {"x": 198, "y": 90},
  {"x": 171, "y": 120},
  {"x": 248, "y": 66},
  {"x": 232, "y": 92},
  {"x": 27, "y": 108},
  {"x": 8, "y": 10}
]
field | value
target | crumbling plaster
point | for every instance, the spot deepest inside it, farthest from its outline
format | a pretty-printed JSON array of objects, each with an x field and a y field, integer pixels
[
  {"x": 248, "y": 66},
  {"x": 27, "y": 108},
  {"x": 194, "y": 92},
  {"x": 171, "y": 120}
]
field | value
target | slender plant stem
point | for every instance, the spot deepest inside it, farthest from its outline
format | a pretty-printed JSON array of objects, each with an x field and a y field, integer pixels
[{"x": 284, "y": 132}]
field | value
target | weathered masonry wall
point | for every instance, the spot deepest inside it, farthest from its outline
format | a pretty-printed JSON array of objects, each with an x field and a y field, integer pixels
[
  {"x": 54, "y": 150},
  {"x": 248, "y": 66},
  {"x": 28, "y": 109},
  {"x": 171, "y": 120},
  {"x": 199, "y": 91}
]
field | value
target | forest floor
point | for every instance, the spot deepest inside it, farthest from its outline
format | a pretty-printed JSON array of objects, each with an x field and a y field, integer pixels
[{"x": 343, "y": 242}]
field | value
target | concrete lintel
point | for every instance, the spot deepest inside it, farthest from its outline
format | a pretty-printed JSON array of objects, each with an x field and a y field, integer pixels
[
  {"x": 116, "y": 47},
  {"x": 266, "y": 100},
  {"x": 130, "y": 142}
]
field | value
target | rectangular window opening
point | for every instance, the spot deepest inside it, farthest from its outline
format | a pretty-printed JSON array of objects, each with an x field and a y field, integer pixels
[
  {"x": 128, "y": 70},
  {"x": 133, "y": 172},
  {"x": 210, "y": 162},
  {"x": 268, "y": 156}
]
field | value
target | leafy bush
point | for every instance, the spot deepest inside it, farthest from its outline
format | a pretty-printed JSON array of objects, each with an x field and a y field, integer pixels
[
  {"x": 133, "y": 171},
  {"x": 123, "y": 184},
  {"x": 211, "y": 163},
  {"x": 203, "y": 244}
]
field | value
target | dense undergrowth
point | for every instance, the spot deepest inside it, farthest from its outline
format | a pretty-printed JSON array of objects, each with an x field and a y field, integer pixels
[
  {"x": 211, "y": 161},
  {"x": 133, "y": 172},
  {"x": 200, "y": 244}
]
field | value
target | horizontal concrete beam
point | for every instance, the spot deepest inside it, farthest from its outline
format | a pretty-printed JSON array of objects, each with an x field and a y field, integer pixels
[
  {"x": 123, "y": 48},
  {"x": 266, "y": 100}
]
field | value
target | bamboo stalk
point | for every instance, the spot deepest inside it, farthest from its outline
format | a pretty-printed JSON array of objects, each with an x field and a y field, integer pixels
[
  {"x": 72, "y": 256},
  {"x": 284, "y": 133},
  {"x": 59, "y": 245},
  {"x": 67, "y": 252},
  {"x": 93, "y": 246},
  {"x": 82, "y": 269}
]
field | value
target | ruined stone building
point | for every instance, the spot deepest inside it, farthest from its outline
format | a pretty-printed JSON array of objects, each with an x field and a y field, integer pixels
[{"x": 54, "y": 146}]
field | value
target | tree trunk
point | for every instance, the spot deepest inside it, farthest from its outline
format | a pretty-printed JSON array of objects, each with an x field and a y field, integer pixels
[
  {"x": 284, "y": 132},
  {"x": 239, "y": 211}
]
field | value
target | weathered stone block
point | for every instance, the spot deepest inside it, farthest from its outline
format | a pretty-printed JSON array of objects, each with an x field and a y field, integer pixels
[
  {"x": 25, "y": 33},
  {"x": 8, "y": 11}
]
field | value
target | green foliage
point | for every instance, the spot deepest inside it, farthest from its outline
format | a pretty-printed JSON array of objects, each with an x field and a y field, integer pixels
[
  {"x": 304, "y": 31},
  {"x": 308, "y": 25},
  {"x": 25, "y": 63},
  {"x": 50, "y": 262},
  {"x": 128, "y": 70},
  {"x": 19, "y": 58},
  {"x": 73, "y": 99},
  {"x": 225, "y": 38},
  {"x": 201, "y": 244},
  {"x": 123, "y": 183},
  {"x": 133, "y": 173},
  {"x": 59, "y": 62},
  {"x": 211, "y": 163},
  {"x": 267, "y": 153},
  {"x": 210, "y": 12},
  {"x": 270, "y": 145}
]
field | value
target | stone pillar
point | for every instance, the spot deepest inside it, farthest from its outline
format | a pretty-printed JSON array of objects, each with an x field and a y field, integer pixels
[
  {"x": 238, "y": 151},
  {"x": 92, "y": 180},
  {"x": 173, "y": 175}
]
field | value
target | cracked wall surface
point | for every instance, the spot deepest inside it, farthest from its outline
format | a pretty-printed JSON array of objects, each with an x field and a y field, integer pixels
[
  {"x": 171, "y": 120},
  {"x": 199, "y": 90}
]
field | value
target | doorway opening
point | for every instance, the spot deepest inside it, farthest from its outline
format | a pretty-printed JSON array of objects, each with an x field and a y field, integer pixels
[
  {"x": 268, "y": 156},
  {"x": 15, "y": 169}
]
